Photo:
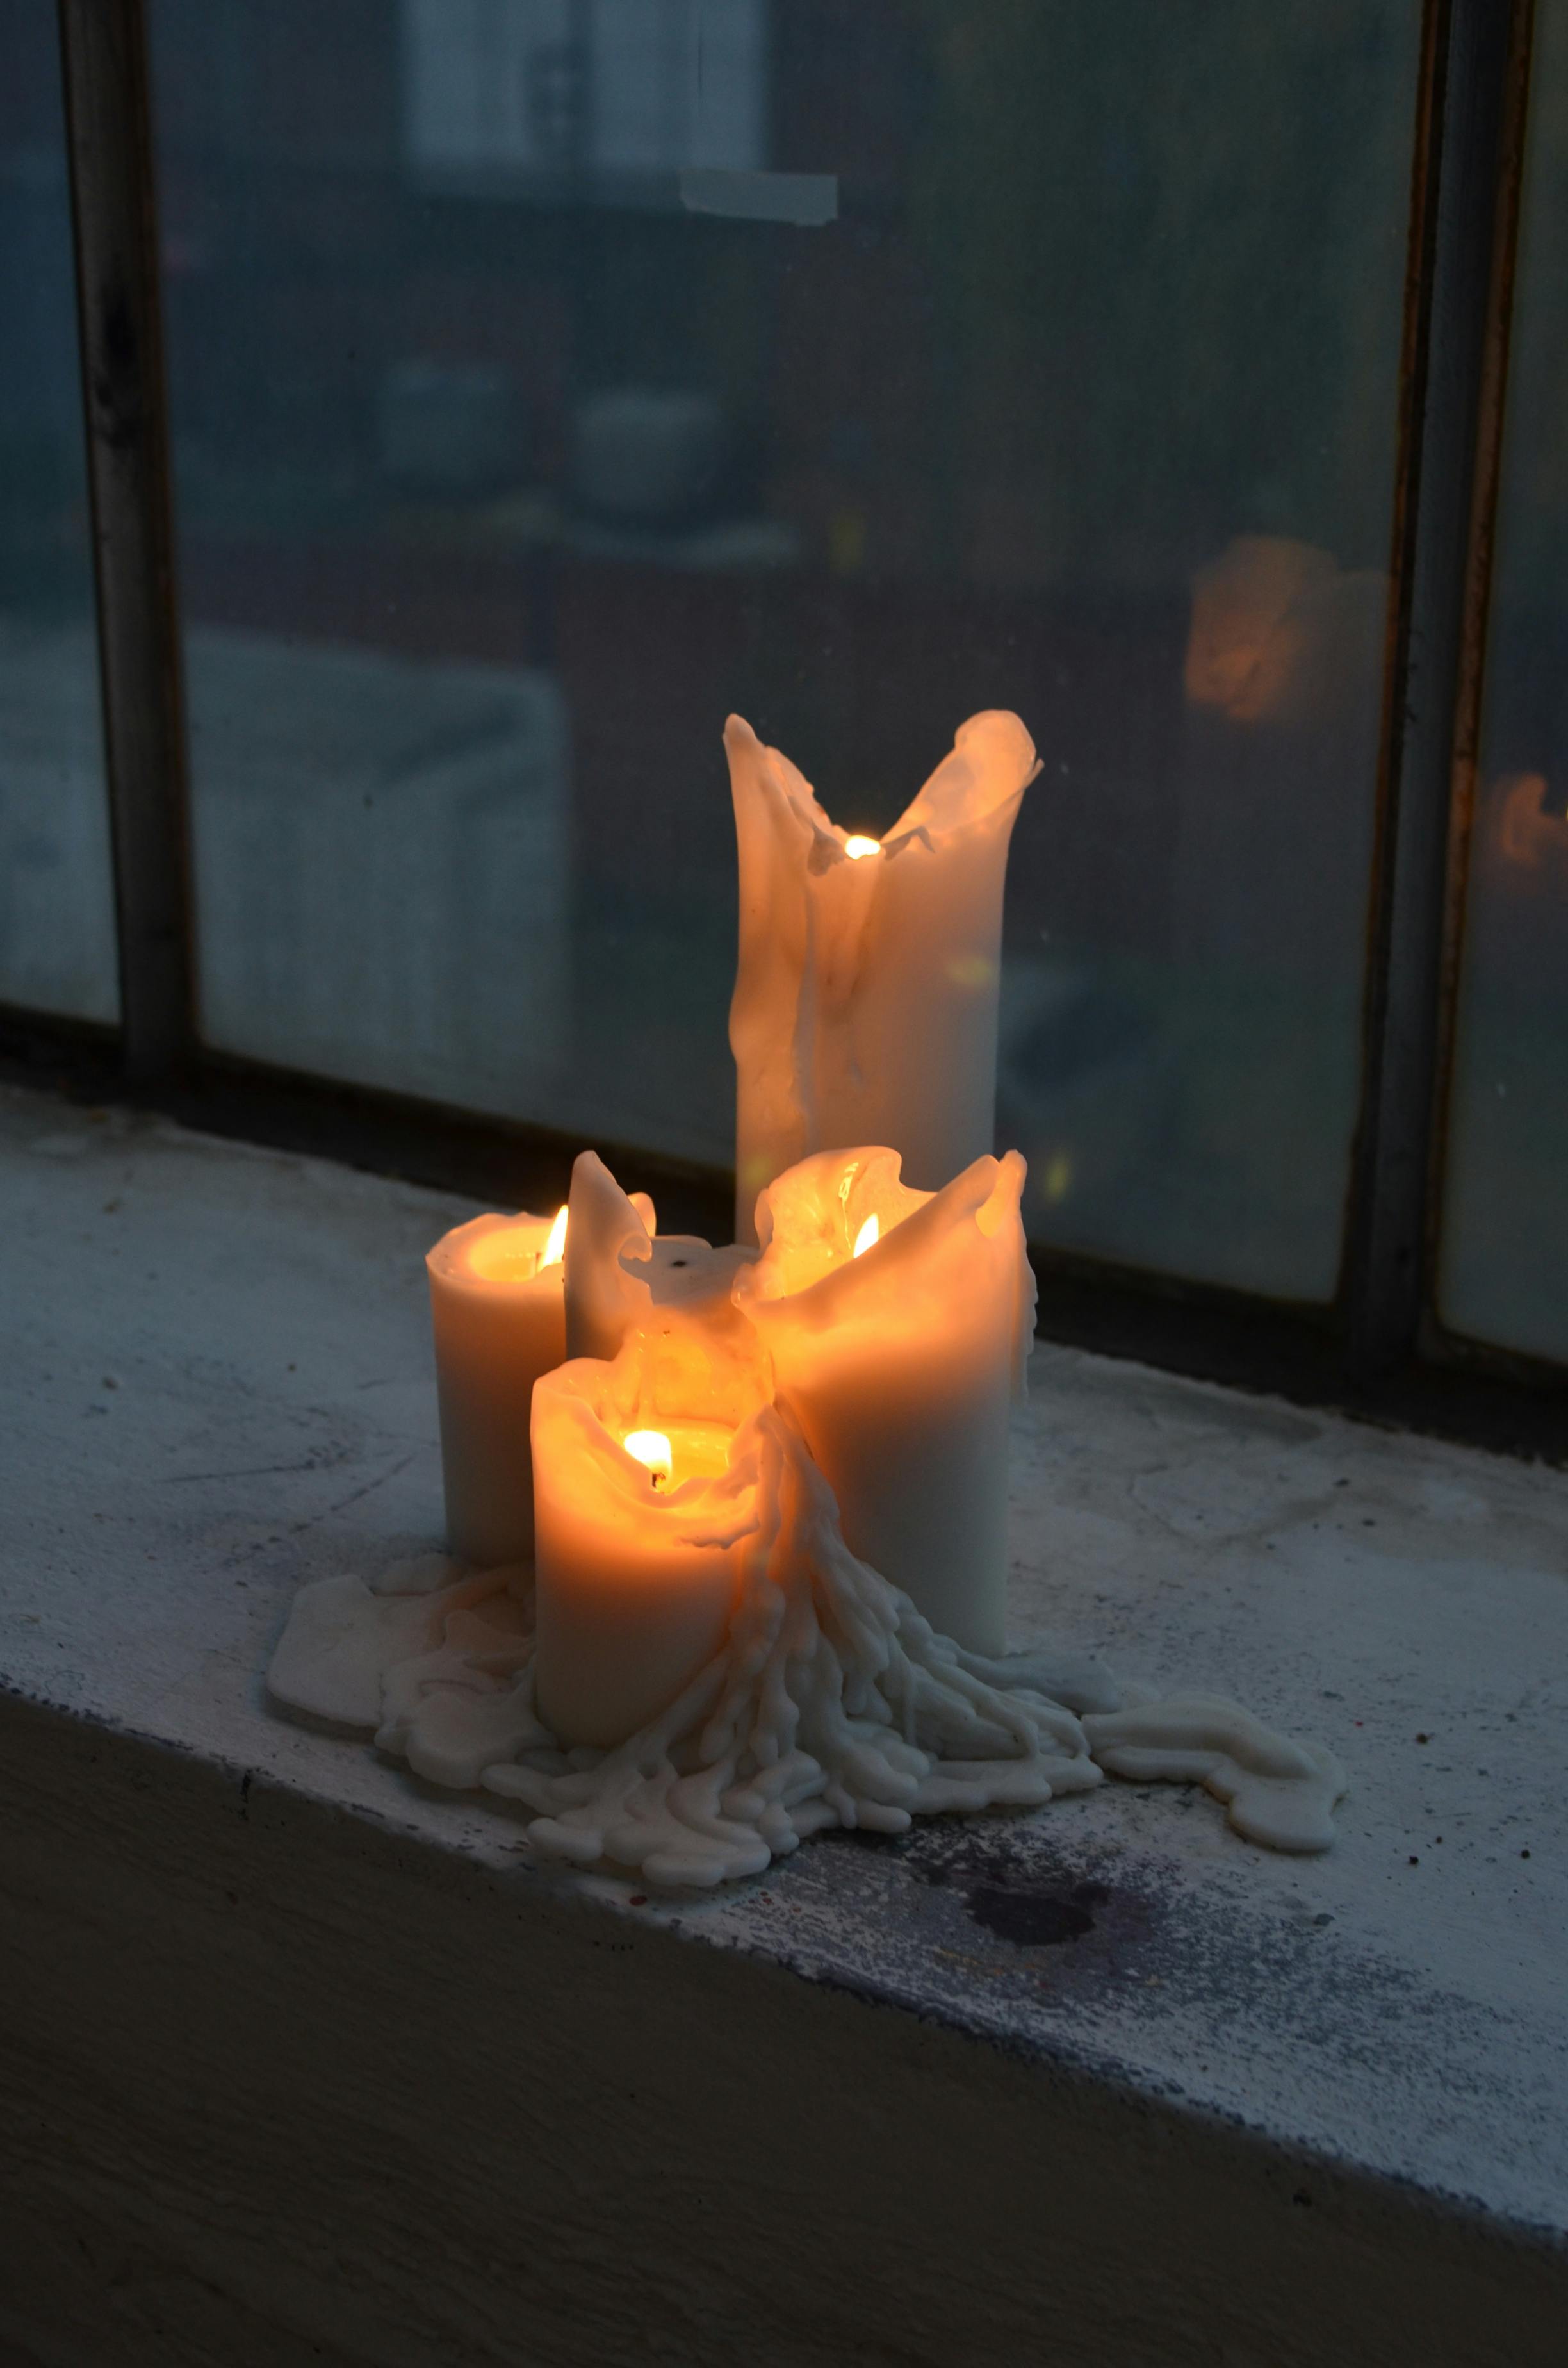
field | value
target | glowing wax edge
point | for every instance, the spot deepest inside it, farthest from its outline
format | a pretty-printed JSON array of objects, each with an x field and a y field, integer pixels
[{"x": 831, "y": 1703}]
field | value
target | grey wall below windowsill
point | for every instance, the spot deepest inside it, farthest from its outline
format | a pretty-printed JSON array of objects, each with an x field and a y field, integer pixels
[{"x": 302, "y": 2061}]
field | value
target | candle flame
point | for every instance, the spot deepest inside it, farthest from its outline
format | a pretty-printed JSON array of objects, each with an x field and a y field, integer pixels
[
  {"x": 857, "y": 845},
  {"x": 869, "y": 1235},
  {"x": 651, "y": 1448},
  {"x": 555, "y": 1247}
]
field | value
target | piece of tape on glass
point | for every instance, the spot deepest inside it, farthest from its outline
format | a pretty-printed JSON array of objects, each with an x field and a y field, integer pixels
[{"x": 807, "y": 198}]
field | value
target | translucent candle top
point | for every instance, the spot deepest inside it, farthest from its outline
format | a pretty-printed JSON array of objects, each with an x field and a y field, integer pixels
[
  {"x": 501, "y": 1252},
  {"x": 848, "y": 1249},
  {"x": 663, "y": 1432}
]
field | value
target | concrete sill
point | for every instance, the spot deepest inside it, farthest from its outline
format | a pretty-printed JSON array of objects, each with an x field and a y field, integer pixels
[{"x": 299, "y": 2062}]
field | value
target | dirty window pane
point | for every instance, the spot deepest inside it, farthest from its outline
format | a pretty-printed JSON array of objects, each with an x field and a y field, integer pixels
[
  {"x": 1505, "y": 1271},
  {"x": 57, "y": 945},
  {"x": 551, "y": 378}
]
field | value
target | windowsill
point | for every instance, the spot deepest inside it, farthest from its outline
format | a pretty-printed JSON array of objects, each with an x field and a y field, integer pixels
[{"x": 1383, "y": 2031}]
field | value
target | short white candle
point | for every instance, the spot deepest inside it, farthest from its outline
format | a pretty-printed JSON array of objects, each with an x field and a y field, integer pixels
[
  {"x": 640, "y": 1526},
  {"x": 865, "y": 997},
  {"x": 497, "y": 1310},
  {"x": 899, "y": 1323}
]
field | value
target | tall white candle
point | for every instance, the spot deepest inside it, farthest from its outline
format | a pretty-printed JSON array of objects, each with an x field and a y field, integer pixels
[
  {"x": 619, "y": 1271},
  {"x": 497, "y": 1311},
  {"x": 865, "y": 997},
  {"x": 640, "y": 1521},
  {"x": 899, "y": 1323}
]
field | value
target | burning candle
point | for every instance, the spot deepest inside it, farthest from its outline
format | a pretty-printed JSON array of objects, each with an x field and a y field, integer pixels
[
  {"x": 497, "y": 1309},
  {"x": 620, "y": 1273},
  {"x": 866, "y": 996},
  {"x": 899, "y": 1323},
  {"x": 643, "y": 1489}
]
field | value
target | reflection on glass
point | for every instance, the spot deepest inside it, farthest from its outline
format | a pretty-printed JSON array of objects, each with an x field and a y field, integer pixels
[
  {"x": 1505, "y": 1265},
  {"x": 552, "y": 379},
  {"x": 381, "y": 864},
  {"x": 57, "y": 947}
]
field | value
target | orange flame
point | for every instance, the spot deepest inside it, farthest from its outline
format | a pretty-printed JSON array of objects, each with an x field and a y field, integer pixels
[{"x": 651, "y": 1448}]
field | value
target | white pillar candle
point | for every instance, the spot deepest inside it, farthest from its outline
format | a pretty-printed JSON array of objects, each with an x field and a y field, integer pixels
[
  {"x": 620, "y": 1271},
  {"x": 865, "y": 997},
  {"x": 498, "y": 1315},
  {"x": 640, "y": 1522},
  {"x": 899, "y": 1323}
]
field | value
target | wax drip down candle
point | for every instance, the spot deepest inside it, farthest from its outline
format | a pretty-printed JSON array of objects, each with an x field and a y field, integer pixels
[
  {"x": 900, "y": 1324},
  {"x": 866, "y": 996},
  {"x": 638, "y": 1504},
  {"x": 497, "y": 1312},
  {"x": 620, "y": 1271}
]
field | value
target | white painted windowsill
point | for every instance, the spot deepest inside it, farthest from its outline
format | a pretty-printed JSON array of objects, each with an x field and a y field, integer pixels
[{"x": 302, "y": 2061}]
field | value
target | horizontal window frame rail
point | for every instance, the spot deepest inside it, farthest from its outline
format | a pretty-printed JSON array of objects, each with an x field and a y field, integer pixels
[
  {"x": 1377, "y": 1348},
  {"x": 1512, "y": 1404}
]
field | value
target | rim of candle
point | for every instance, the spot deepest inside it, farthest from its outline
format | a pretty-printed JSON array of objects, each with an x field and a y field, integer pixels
[
  {"x": 979, "y": 783},
  {"x": 815, "y": 1239},
  {"x": 593, "y": 1410},
  {"x": 515, "y": 1260},
  {"x": 514, "y": 1254},
  {"x": 834, "y": 1209}
]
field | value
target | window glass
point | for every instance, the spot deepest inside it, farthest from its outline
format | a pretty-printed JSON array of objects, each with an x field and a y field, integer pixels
[
  {"x": 57, "y": 945},
  {"x": 552, "y": 376},
  {"x": 1504, "y": 1269}
]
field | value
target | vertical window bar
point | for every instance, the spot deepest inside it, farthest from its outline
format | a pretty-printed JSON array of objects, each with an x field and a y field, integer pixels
[
  {"x": 109, "y": 133},
  {"x": 1470, "y": 689},
  {"x": 1461, "y": 151}
]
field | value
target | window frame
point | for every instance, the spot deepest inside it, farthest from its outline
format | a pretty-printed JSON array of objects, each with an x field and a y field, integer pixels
[{"x": 1379, "y": 1345}]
